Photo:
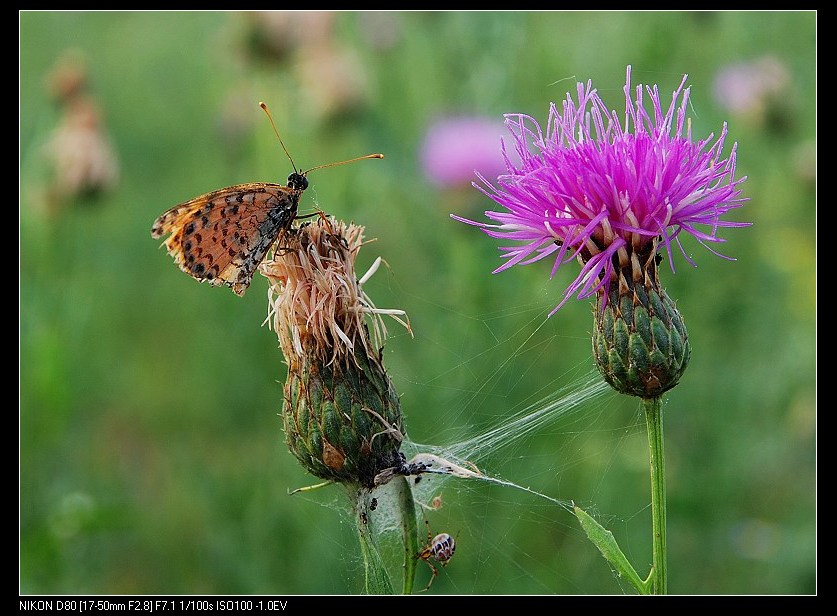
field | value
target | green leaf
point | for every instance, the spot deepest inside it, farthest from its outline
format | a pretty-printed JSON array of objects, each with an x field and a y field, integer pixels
[{"x": 604, "y": 540}]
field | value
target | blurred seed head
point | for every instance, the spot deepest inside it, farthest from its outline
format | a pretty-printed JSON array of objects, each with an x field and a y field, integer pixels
[{"x": 80, "y": 155}]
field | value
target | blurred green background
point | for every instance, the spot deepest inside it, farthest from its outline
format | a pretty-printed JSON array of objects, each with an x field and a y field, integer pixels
[{"x": 152, "y": 458}]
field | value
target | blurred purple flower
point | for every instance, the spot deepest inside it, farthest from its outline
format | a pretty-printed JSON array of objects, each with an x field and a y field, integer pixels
[
  {"x": 597, "y": 191},
  {"x": 456, "y": 147},
  {"x": 749, "y": 87}
]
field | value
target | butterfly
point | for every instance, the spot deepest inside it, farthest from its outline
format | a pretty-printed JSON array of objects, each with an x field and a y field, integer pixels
[{"x": 222, "y": 236}]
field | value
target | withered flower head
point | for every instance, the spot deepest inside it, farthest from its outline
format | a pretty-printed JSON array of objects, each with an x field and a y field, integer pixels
[{"x": 342, "y": 416}]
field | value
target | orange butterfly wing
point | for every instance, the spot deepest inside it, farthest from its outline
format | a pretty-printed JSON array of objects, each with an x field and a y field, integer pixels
[{"x": 222, "y": 236}]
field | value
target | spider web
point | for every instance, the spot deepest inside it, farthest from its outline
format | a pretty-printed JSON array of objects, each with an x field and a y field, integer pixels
[{"x": 503, "y": 457}]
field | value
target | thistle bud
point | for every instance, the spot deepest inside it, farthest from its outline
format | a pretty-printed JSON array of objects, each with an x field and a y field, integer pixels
[
  {"x": 343, "y": 419},
  {"x": 639, "y": 339},
  {"x": 341, "y": 414}
]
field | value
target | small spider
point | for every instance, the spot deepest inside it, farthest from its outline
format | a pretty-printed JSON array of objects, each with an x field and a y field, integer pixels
[{"x": 439, "y": 548}]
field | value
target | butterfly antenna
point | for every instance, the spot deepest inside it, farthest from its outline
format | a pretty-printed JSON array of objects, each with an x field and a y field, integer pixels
[
  {"x": 270, "y": 117},
  {"x": 343, "y": 162}
]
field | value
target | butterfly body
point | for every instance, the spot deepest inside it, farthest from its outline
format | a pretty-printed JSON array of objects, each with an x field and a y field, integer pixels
[{"x": 222, "y": 236}]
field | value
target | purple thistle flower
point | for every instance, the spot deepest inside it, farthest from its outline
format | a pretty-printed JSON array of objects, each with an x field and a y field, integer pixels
[{"x": 593, "y": 189}]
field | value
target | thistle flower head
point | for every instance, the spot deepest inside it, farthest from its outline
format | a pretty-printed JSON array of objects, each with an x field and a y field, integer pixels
[
  {"x": 341, "y": 414},
  {"x": 317, "y": 299},
  {"x": 598, "y": 187}
]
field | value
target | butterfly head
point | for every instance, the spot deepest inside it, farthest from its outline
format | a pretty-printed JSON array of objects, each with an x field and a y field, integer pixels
[{"x": 297, "y": 181}]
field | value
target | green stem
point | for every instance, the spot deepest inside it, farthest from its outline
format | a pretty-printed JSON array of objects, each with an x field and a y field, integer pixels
[
  {"x": 376, "y": 578},
  {"x": 654, "y": 422},
  {"x": 410, "y": 531}
]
